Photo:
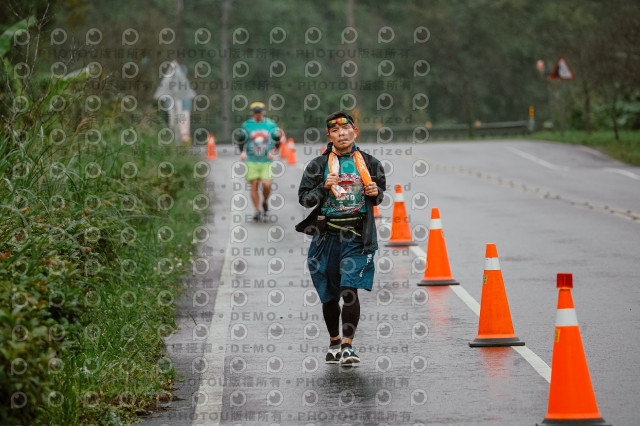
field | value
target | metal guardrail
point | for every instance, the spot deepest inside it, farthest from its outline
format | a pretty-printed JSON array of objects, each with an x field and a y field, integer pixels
[
  {"x": 456, "y": 131},
  {"x": 393, "y": 134},
  {"x": 420, "y": 134}
]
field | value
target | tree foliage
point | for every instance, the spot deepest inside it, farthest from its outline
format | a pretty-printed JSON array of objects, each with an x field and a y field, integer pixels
[{"x": 481, "y": 56}]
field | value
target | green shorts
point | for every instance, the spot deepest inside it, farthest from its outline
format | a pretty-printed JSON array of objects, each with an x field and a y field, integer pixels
[{"x": 258, "y": 171}]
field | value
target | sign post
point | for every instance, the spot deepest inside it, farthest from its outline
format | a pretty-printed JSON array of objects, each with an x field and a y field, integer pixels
[
  {"x": 532, "y": 123},
  {"x": 562, "y": 72},
  {"x": 176, "y": 93}
]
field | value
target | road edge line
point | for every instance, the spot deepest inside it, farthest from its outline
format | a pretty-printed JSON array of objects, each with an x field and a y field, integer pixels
[
  {"x": 218, "y": 331},
  {"x": 538, "y": 364}
]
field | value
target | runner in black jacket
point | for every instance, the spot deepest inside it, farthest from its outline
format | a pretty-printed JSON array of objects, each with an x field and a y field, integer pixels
[{"x": 342, "y": 185}]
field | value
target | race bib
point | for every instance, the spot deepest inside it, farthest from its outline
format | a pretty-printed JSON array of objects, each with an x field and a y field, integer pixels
[{"x": 351, "y": 200}]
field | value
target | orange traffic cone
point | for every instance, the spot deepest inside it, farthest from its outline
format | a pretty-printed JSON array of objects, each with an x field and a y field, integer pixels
[
  {"x": 400, "y": 229},
  {"x": 291, "y": 150},
  {"x": 283, "y": 146},
  {"x": 211, "y": 147},
  {"x": 571, "y": 396},
  {"x": 437, "y": 271},
  {"x": 376, "y": 212},
  {"x": 495, "y": 328}
]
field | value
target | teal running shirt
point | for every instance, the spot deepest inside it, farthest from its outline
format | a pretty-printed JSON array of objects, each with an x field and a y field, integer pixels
[{"x": 260, "y": 139}]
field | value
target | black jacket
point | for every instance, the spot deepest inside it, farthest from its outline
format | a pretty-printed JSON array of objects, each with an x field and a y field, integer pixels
[{"x": 312, "y": 193}]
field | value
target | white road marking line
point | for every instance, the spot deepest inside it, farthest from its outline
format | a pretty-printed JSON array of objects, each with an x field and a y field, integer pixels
[
  {"x": 592, "y": 151},
  {"x": 466, "y": 298},
  {"x": 212, "y": 390},
  {"x": 418, "y": 251},
  {"x": 622, "y": 172},
  {"x": 534, "y": 360},
  {"x": 624, "y": 214},
  {"x": 535, "y": 159}
]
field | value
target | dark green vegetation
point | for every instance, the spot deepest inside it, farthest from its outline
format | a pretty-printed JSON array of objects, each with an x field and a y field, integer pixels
[
  {"x": 481, "y": 56},
  {"x": 96, "y": 227}
]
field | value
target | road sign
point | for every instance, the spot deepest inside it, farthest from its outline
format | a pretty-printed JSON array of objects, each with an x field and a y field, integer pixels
[{"x": 561, "y": 71}]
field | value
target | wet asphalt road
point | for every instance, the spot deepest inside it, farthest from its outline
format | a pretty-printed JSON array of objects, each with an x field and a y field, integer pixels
[{"x": 252, "y": 340}]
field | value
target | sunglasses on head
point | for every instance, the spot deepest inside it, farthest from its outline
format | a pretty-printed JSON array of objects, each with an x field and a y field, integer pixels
[{"x": 336, "y": 121}]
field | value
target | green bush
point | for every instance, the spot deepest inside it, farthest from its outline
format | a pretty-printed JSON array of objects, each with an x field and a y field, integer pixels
[{"x": 90, "y": 256}]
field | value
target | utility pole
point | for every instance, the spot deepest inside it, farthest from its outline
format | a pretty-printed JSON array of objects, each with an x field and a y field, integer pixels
[
  {"x": 353, "y": 81},
  {"x": 179, "y": 24},
  {"x": 224, "y": 63}
]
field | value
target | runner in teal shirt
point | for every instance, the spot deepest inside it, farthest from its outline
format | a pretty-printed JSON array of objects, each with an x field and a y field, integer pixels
[{"x": 259, "y": 140}]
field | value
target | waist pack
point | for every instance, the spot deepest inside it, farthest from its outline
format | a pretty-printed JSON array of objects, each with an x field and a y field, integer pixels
[{"x": 352, "y": 224}]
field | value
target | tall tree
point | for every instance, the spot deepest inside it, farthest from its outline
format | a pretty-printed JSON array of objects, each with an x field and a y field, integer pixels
[{"x": 224, "y": 66}]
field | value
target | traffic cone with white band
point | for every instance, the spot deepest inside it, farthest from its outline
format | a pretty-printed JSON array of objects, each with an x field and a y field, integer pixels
[
  {"x": 212, "y": 154},
  {"x": 283, "y": 144},
  {"x": 291, "y": 153},
  {"x": 571, "y": 397},
  {"x": 400, "y": 229},
  {"x": 495, "y": 327},
  {"x": 437, "y": 270},
  {"x": 284, "y": 149}
]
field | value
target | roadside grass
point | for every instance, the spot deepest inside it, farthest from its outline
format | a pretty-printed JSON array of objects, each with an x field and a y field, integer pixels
[
  {"x": 627, "y": 149},
  {"x": 94, "y": 235}
]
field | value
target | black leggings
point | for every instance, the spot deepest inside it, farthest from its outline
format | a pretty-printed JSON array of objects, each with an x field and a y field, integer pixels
[{"x": 350, "y": 313}]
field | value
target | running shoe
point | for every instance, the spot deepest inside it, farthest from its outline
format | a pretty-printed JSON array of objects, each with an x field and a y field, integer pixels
[
  {"x": 349, "y": 358},
  {"x": 333, "y": 356}
]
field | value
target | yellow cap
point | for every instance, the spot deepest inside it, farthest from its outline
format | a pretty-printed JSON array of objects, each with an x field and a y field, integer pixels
[{"x": 257, "y": 106}]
